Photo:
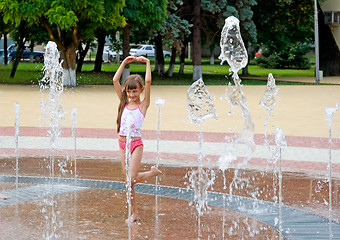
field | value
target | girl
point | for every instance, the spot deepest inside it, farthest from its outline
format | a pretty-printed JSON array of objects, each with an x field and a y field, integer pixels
[
  {"x": 3, "y": 197},
  {"x": 132, "y": 105}
]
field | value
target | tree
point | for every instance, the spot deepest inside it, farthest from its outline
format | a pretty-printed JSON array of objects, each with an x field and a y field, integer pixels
[
  {"x": 147, "y": 15},
  {"x": 103, "y": 29},
  {"x": 196, "y": 40},
  {"x": 213, "y": 18},
  {"x": 82, "y": 51},
  {"x": 284, "y": 27},
  {"x": 66, "y": 21},
  {"x": 247, "y": 25},
  {"x": 175, "y": 30},
  {"x": 209, "y": 16},
  {"x": 20, "y": 35},
  {"x": 4, "y": 29}
]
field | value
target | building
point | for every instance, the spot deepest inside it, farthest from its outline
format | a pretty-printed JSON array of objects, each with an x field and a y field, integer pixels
[
  {"x": 329, "y": 37},
  {"x": 331, "y": 11}
]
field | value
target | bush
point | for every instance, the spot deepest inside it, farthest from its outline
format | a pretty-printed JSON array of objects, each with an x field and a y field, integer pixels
[{"x": 293, "y": 56}]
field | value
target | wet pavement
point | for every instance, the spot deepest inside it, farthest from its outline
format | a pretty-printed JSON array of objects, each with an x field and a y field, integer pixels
[{"x": 93, "y": 206}]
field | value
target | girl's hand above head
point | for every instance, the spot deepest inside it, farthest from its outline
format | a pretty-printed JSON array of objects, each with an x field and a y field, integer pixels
[
  {"x": 129, "y": 59},
  {"x": 142, "y": 59}
]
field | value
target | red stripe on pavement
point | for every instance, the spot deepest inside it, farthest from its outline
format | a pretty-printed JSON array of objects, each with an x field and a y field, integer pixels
[{"x": 311, "y": 142}]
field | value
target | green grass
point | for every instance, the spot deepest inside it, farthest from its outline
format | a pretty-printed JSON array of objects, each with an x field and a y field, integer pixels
[{"x": 31, "y": 73}]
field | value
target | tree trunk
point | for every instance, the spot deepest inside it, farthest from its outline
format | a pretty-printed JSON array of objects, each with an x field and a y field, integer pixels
[
  {"x": 182, "y": 58},
  {"x": 245, "y": 70},
  {"x": 172, "y": 61},
  {"x": 212, "y": 55},
  {"x": 159, "y": 55},
  {"x": 69, "y": 65},
  {"x": 126, "y": 51},
  {"x": 100, "y": 49},
  {"x": 5, "y": 49},
  {"x": 20, "y": 48},
  {"x": 31, "y": 49},
  {"x": 196, "y": 41},
  {"x": 67, "y": 47},
  {"x": 82, "y": 54}
]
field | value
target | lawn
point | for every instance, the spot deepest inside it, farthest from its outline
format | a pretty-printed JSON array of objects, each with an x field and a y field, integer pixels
[{"x": 31, "y": 73}]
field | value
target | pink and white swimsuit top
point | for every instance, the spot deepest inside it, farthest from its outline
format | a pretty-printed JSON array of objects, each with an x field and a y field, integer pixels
[{"x": 134, "y": 118}]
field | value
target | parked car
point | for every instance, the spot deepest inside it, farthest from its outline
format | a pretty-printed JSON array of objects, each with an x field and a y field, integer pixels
[
  {"x": 12, "y": 53},
  {"x": 1, "y": 56},
  {"x": 147, "y": 51},
  {"x": 110, "y": 55}
]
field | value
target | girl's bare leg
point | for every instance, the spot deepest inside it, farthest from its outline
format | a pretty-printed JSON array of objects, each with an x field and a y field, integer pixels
[
  {"x": 136, "y": 177},
  {"x": 136, "y": 159}
]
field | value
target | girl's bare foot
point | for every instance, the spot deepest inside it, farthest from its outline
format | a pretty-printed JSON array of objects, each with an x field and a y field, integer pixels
[
  {"x": 156, "y": 171},
  {"x": 133, "y": 219},
  {"x": 3, "y": 197}
]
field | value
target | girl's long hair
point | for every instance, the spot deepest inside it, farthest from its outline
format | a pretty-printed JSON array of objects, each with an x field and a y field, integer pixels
[{"x": 132, "y": 82}]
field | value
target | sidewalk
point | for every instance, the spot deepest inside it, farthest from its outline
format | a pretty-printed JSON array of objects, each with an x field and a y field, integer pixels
[
  {"x": 299, "y": 112},
  {"x": 334, "y": 80},
  {"x": 87, "y": 197}
]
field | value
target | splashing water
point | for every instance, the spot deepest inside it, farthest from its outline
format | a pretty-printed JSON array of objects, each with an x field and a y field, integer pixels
[
  {"x": 17, "y": 131},
  {"x": 128, "y": 170},
  {"x": 53, "y": 80},
  {"x": 74, "y": 136},
  {"x": 232, "y": 47},
  {"x": 329, "y": 116},
  {"x": 268, "y": 102},
  {"x": 269, "y": 98},
  {"x": 200, "y": 181},
  {"x": 281, "y": 143},
  {"x": 159, "y": 102},
  {"x": 200, "y": 103},
  {"x": 201, "y": 107},
  {"x": 235, "y": 53},
  {"x": 54, "y": 112}
]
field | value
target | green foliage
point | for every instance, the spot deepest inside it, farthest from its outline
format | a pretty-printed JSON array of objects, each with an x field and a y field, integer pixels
[
  {"x": 214, "y": 15},
  {"x": 84, "y": 15},
  {"x": 174, "y": 27},
  {"x": 145, "y": 13},
  {"x": 144, "y": 17},
  {"x": 61, "y": 16},
  {"x": 284, "y": 22},
  {"x": 292, "y": 56}
]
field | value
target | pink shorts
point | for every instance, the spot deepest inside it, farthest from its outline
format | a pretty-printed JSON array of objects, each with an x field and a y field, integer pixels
[{"x": 134, "y": 144}]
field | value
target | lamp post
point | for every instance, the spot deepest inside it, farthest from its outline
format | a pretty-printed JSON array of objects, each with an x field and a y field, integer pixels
[{"x": 316, "y": 43}]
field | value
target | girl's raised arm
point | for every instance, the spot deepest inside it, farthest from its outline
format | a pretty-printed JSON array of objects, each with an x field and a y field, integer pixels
[
  {"x": 118, "y": 74},
  {"x": 146, "y": 101}
]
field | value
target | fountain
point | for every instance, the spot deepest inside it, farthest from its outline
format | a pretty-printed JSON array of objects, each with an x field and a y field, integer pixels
[
  {"x": 159, "y": 103},
  {"x": 228, "y": 184},
  {"x": 201, "y": 107},
  {"x": 329, "y": 116}
]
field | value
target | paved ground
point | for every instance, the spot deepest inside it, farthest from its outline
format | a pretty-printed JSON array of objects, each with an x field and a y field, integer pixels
[{"x": 299, "y": 112}]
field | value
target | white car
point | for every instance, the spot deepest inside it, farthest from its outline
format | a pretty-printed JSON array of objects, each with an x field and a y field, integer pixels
[
  {"x": 110, "y": 55},
  {"x": 147, "y": 51}
]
